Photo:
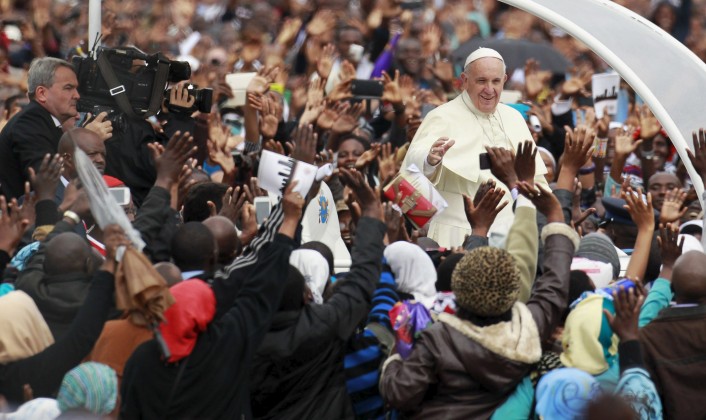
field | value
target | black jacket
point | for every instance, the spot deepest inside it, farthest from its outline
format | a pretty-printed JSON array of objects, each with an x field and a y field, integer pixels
[
  {"x": 298, "y": 370},
  {"x": 45, "y": 370},
  {"x": 214, "y": 383},
  {"x": 24, "y": 141},
  {"x": 58, "y": 297},
  {"x": 128, "y": 158},
  {"x": 157, "y": 223}
]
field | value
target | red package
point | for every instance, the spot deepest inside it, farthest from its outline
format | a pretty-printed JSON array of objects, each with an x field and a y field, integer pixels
[{"x": 418, "y": 209}]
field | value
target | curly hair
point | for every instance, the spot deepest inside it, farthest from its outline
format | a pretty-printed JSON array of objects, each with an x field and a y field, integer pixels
[{"x": 486, "y": 281}]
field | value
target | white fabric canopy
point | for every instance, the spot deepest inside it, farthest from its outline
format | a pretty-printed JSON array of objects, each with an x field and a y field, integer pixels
[{"x": 667, "y": 76}]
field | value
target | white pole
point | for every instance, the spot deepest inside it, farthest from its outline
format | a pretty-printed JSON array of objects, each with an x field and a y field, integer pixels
[{"x": 94, "y": 22}]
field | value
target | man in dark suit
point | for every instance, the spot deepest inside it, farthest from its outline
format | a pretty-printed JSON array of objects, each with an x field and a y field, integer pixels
[{"x": 36, "y": 130}]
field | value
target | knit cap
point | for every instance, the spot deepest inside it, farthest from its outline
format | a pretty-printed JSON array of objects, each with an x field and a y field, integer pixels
[
  {"x": 486, "y": 281},
  {"x": 90, "y": 386},
  {"x": 599, "y": 247}
]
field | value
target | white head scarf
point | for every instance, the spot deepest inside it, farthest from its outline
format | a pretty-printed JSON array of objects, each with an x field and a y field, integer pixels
[
  {"x": 37, "y": 409},
  {"x": 690, "y": 244},
  {"x": 314, "y": 267},
  {"x": 414, "y": 271}
]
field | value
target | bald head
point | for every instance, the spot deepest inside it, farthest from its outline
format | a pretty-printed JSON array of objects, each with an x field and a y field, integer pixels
[
  {"x": 67, "y": 253},
  {"x": 689, "y": 278},
  {"x": 86, "y": 140},
  {"x": 223, "y": 231},
  {"x": 169, "y": 271}
]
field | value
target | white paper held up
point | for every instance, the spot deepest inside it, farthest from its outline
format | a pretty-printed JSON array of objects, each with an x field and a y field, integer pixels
[{"x": 277, "y": 171}]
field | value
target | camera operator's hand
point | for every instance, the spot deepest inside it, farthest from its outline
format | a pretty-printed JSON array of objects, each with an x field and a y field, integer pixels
[
  {"x": 100, "y": 125},
  {"x": 179, "y": 97}
]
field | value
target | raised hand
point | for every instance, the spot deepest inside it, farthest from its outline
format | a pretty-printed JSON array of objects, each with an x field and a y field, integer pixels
[
  {"x": 431, "y": 40},
  {"x": 625, "y": 145},
  {"x": 349, "y": 119},
  {"x": 347, "y": 72},
  {"x": 698, "y": 156},
  {"x": 673, "y": 206},
  {"x": 482, "y": 215},
  {"x": 627, "y": 305},
  {"x": 438, "y": 150},
  {"x": 544, "y": 200},
  {"x": 329, "y": 114},
  {"x": 641, "y": 212},
  {"x": 27, "y": 210},
  {"x": 368, "y": 200},
  {"x": 311, "y": 113},
  {"x": 341, "y": 91},
  {"x": 292, "y": 206},
  {"x": 368, "y": 156},
  {"x": 322, "y": 22},
  {"x": 305, "y": 142},
  {"x": 390, "y": 8},
  {"x": 315, "y": 94},
  {"x": 577, "y": 85},
  {"x": 47, "y": 179},
  {"x": 535, "y": 79},
  {"x": 649, "y": 125},
  {"x": 12, "y": 225},
  {"x": 394, "y": 221},
  {"x": 219, "y": 150},
  {"x": 387, "y": 165},
  {"x": 525, "y": 161},
  {"x": 443, "y": 70},
  {"x": 670, "y": 246},
  {"x": 232, "y": 203},
  {"x": 290, "y": 29},
  {"x": 325, "y": 62},
  {"x": 268, "y": 119},
  {"x": 113, "y": 238},
  {"x": 260, "y": 84},
  {"x": 502, "y": 165},
  {"x": 170, "y": 160},
  {"x": 578, "y": 148},
  {"x": 275, "y": 147},
  {"x": 391, "y": 89},
  {"x": 248, "y": 220}
]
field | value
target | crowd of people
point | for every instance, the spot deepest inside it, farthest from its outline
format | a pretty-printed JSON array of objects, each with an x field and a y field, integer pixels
[{"x": 560, "y": 272}]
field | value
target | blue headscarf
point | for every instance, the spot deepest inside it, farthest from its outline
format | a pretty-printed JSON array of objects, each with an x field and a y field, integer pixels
[{"x": 564, "y": 394}]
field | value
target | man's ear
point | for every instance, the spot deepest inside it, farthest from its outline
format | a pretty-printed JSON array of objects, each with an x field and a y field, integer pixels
[{"x": 40, "y": 94}]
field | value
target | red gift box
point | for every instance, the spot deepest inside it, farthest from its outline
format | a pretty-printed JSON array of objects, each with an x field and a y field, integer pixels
[{"x": 418, "y": 209}]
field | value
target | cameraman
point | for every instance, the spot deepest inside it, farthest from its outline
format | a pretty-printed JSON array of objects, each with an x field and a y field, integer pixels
[{"x": 128, "y": 157}]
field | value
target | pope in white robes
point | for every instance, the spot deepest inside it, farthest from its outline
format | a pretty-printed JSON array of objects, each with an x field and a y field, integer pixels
[{"x": 453, "y": 136}]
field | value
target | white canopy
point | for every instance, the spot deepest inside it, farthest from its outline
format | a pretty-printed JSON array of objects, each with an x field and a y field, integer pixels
[{"x": 667, "y": 75}]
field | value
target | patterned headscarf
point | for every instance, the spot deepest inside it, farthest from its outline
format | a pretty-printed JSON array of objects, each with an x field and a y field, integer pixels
[
  {"x": 564, "y": 394},
  {"x": 486, "y": 281},
  {"x": 91, "y": 386}
]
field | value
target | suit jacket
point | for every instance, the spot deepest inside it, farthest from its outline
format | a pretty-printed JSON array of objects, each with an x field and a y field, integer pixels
[{"x": 24, "y": 141}]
